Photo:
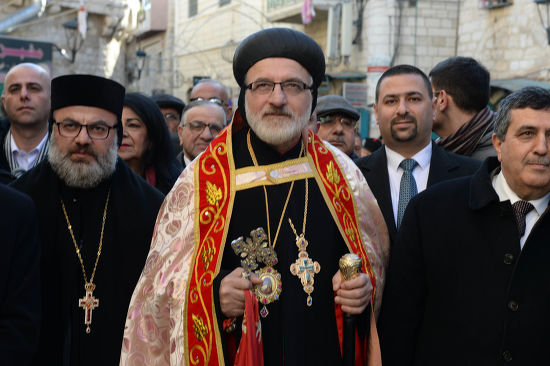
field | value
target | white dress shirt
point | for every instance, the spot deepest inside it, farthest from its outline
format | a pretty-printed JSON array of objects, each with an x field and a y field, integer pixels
[
  {"x": 506, "y": 193},
  {"x": 26, "y": 160},
  {"x": 186, "y": 160},
  {"x": 420, "y": 173}
]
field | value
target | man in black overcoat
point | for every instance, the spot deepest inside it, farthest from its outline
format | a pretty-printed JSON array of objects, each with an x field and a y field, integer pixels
[
  {"x": 96, "y": 222},
  {"x": 468, "y": 280}
]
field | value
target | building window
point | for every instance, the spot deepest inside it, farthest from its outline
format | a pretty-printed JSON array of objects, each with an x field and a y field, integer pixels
[
  {"x": 193, "y": 8},
  {"x": 224, "y": 2},
  {"x": 490, "y": 4}
]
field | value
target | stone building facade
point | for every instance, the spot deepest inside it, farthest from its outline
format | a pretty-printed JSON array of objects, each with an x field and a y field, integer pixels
[
  {"x": 182, "y": 41},
  {"x": 510, "y": 39},
  {"x": 102, "y": 52}
]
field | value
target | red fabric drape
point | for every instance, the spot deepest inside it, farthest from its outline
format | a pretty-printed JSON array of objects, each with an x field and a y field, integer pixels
[{"x": 250, "y": 352}]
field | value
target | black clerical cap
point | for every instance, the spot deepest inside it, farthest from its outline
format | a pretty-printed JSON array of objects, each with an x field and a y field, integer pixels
[
  {"x": 279, "y": 42},
  {"x": 87, "y": 90}
]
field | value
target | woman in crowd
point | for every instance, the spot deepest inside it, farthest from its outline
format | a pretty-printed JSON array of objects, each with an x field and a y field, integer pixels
[{"x": 146, "y": 144}]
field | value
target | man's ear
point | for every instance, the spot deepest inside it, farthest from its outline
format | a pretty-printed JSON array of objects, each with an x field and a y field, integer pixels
[
  {"x": 497, "y": 143},
  {"x": 442, "y": 100},
  {"x": 180, "y": 134}
]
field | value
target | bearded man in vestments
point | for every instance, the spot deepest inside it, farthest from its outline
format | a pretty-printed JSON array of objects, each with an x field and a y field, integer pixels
[
  {"x": 96, "y": 220},
  {"x": 268, "y": 210}
]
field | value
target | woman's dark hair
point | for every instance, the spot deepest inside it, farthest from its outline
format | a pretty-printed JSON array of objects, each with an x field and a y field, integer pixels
[{"x": 160, "y": 155}]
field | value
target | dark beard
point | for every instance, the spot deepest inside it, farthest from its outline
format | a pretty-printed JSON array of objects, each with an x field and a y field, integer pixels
[{"x": 82, "y": 175}]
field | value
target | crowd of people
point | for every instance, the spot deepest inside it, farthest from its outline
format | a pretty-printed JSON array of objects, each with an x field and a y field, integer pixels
[{"x": 148, "y": 230}]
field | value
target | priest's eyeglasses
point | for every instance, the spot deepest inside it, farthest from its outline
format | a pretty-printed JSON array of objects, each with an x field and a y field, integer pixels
[
  {"x": 198, "y": 126},
  {"x": 290, "y": 87},
  {"x": 96, "y": 130}
]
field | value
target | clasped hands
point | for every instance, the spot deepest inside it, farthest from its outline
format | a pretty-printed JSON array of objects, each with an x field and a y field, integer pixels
[{"x": 353, "y": 295}]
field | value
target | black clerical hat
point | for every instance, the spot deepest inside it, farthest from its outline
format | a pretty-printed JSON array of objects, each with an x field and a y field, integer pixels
[{"x": 88, "y": 90}]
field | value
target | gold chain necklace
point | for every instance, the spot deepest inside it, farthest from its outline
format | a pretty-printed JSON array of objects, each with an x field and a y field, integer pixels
[
  {"x": 304, "y": 267},
  {"x": 271, "y": 286},
  {"x": 88, "y": 302}
]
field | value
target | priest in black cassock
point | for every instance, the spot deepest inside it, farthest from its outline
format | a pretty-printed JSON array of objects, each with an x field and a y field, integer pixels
[
  {"x": 96, "y": 219},
  {"x": 264, "y": 214}
]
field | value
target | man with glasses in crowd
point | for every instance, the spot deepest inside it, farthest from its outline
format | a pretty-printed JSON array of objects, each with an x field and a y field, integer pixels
[
  {"x": 201, "y": 122},
  {"x": 238, "y": 220},
  {"x": 213, "y": 91},
  {"x": 337, "y": 123},
  {"x": 96, "y": 219}
]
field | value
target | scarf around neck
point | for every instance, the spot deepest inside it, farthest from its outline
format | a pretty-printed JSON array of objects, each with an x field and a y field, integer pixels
[
  {"x": 15, "y": 170},
  {"x": 465, "y": 140}
]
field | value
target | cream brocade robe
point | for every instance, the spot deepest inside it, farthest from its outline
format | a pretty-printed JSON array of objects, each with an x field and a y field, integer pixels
[{"x": 154, "y": 332}]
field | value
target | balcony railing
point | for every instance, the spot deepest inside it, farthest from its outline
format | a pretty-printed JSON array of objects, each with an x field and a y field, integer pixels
[{"x": 275, "y": 4}]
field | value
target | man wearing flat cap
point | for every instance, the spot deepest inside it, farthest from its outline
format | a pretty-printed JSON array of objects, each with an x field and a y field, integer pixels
[
  {"x": 338, "y": 122},
  {"x": 255, "y": 227},
  {"x": 96, "y": 219},
  {"x": 172, "y": 110}
]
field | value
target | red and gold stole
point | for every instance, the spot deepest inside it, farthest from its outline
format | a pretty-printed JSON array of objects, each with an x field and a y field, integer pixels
[{"x": 214, "y": 195}]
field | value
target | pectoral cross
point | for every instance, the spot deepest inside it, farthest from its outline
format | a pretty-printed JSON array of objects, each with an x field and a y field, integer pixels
[
  {"x": 305, "y": 269},
  {"x": 88, "y": 303}
]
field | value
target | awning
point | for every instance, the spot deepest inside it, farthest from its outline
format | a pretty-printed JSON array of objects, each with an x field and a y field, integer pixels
[
  {"x": 339, "y": 75},
  {"x": 517, "y": 83}
]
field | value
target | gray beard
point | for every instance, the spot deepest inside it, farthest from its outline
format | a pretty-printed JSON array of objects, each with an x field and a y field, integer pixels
[
  {"x": 82, "y": 175},
  {"x": 277, "y": 132}
]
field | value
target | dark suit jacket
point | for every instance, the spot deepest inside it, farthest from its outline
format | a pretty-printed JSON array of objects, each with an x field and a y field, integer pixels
[
  {"x": 19, "y": 278},
  {"x": 180, "y": 159},
  {"x": 443, "y": 166},
  {"x": 4, "y": 165},
  {"x": 459, "y": 289}
]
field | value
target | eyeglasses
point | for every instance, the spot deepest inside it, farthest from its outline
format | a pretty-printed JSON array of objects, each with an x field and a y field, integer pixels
[
  {"x": 199, "y": 126},
  {"x": 290, "y": 87},
  {"x": 330, "y": 122},
  {"x": 96, "y": 131},
  {"x": 172, "y": 116},
  {"x": 218, "y": 101}
]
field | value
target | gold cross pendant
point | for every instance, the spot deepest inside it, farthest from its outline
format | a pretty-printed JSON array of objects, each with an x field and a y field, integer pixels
[
  {"x": 305, "y": 268},
  {"x": 88, "y": 303}
]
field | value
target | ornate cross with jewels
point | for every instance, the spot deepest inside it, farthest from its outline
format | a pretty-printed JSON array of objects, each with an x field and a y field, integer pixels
[
  {"x": 88, "y": 303},
  {"x": 253, "y": 250},
  {"x": 305, "y": 268}
]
